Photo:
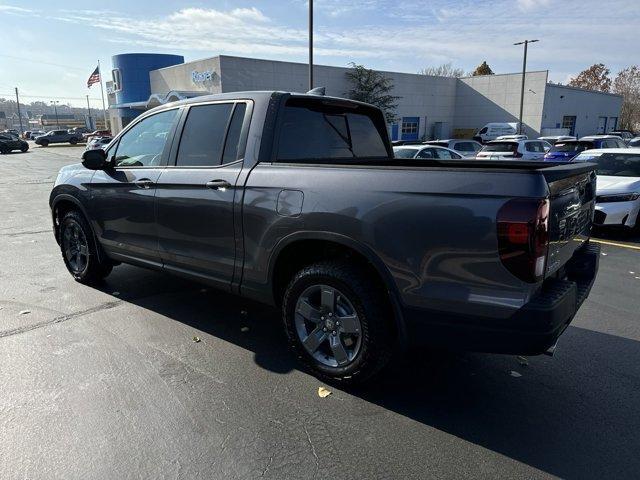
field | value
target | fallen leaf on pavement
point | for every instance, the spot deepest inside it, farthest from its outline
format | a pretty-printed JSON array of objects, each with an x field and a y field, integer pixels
[
  {"x": 603, "y": 254},
  {"x": 523, "y": 361},
  {"x": 323, "y": 392},
  {"x": 115, "y": 294},
  {"x": 196, "y": 339},
  {"x": 244, "y": 329},
  {"x": 24, "y": 312},
  {"x": 515, "y": 374}
]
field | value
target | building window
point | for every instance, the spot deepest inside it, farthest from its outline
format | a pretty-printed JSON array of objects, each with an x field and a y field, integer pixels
[
  {"x": 613, "y": 123},
  {"x": 570, "y": 123},
  {"x": 409, "y": 128},
  {"x": 117, "y": 79}
]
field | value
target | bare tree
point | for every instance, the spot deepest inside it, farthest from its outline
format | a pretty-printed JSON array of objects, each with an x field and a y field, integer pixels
[
  {"x": 372, "y": 87},
  {"x": 444, "y": 70},
  {"x": 482, "y": 69},
  {"x": 627, "y": 84},
  {"x": 596, "y": 77}
]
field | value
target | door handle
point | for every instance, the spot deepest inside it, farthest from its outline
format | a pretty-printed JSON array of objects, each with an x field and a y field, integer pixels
[
  {"x": 143, "y": 183},
  {"x": 218, "y": 185}
]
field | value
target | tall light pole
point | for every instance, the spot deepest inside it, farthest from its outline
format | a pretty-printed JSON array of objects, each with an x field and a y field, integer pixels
[
  {"x": 524, "y": 72},
  {"x": 55, "y": 109},
  {"x": 20, "y": 113},
  {"x": 310, "y": 44}
]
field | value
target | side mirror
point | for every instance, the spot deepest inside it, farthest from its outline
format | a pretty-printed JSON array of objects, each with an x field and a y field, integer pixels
[{"x": 95, "y": 159}]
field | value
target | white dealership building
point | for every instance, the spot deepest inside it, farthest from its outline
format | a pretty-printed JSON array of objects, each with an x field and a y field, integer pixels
[{"x": 428, "y": 106}]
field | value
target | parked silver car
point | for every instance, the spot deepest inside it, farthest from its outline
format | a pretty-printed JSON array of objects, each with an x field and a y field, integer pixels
[
  {"x": 466, "y": 148},
  {"x": 426, "y": 152},
  {"x": 618, "y": 185}
]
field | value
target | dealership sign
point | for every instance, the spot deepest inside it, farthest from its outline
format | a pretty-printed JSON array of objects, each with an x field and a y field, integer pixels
[{"x": 202, "y": 77}]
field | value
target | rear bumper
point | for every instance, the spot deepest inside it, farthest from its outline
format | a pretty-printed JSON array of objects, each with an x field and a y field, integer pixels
[{"x": 531, "y": 330}]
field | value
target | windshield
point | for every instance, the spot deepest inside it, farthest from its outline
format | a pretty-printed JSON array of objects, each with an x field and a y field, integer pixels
[
  {"x": 404, "y": 152},
  {"x": 500, "y": 147},
  {"x": 614, "y": 164},
  {"x": 571, "y": 146}
]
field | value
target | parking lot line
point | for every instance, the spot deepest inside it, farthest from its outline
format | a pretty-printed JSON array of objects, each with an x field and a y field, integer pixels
[{"x": 615, "y": 244}]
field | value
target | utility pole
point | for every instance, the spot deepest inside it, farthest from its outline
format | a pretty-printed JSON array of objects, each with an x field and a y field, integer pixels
[
  {"x": 524, "y": 72},
  {"x": 55, "y": 109},
  {"x": 19, "y": 113},
  {"x": 310, "y": 44}
]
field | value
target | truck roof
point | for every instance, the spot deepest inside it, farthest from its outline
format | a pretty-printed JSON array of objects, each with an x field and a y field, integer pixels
[{"x": 258, "y": 95}]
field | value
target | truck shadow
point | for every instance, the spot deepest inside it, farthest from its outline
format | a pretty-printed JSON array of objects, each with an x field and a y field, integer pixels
[{"x": 574, "y": 416}]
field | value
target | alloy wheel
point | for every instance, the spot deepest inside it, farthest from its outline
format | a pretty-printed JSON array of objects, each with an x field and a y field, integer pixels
[
  {"x": 328, "y": 325},
  {"x": 76, "y": 248}
]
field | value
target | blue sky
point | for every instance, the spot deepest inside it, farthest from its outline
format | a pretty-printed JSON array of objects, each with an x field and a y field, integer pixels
[{"x": 50, "y": 48}]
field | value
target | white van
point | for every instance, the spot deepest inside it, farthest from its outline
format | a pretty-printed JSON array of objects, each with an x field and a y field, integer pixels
[{"x": 491, "y": 131}]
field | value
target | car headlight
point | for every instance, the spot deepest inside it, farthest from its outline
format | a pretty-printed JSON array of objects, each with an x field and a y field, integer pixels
[{"x": 618, "y": 197}]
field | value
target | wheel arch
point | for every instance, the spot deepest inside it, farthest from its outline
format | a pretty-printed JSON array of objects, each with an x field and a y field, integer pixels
[
  {"x": 60, "y": 205},
  {"x": 302, "y": 248}
]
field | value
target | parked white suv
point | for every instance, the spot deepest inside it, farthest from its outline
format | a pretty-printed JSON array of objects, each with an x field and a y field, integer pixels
[
  {"x": 466, "y": 148},
  {"x": 513, "y": 149}
]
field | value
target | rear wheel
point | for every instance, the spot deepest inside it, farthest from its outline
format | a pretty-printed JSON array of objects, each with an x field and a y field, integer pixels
[
  {"x": 44, "y": 143},
  {"x": 79, "y": 250},
  {"x": 73, "y": 141},
  {"x": 24, "y": 148},
  {"x": 338, "y": 321},
  {"x": 4, "y": 149}
]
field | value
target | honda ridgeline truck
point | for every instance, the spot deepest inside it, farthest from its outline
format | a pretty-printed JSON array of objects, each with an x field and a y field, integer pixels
[{"x": 296, "y": 201}]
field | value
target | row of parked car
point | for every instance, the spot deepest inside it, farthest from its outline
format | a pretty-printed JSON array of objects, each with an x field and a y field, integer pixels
[
  {"x": 618, "y": 185},
  {"x": 10, "y": 139}
]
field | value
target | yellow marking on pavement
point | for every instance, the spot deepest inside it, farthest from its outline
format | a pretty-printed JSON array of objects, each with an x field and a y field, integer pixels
[{"x": 615, "y": 244}]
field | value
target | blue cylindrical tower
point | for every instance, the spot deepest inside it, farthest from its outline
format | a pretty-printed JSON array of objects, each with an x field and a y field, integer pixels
[{"x": 131, "y": 78}]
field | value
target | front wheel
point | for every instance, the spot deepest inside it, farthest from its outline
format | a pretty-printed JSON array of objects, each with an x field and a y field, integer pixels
[
  {"x": 339, "y": 321},
  {"x": 4, "y": 149},
  {"x": 24, "y": 148},
  {"x": 79, "y": 250},
  {"x": 44, "y": 143},
  {"x": 73, "y": 141}
]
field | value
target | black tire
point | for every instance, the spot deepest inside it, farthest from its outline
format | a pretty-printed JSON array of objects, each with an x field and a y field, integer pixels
[
  {"x": 73, "y": 141},
  {"x": 88, "y": 267},
  {"x": 4, "y": 149},
  {"x": 376, "y": 335},
  {"x": 44, "y": 143},
  {"x": 24, "y": 148}
]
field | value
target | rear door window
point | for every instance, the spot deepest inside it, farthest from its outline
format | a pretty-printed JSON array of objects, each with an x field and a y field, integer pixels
[
  {"x": 536, "y": 147},
  {"x": 321, "y": 131},
  {"x": 203, "y": 135},
  {"x": 426, "y": 153},
  {"x": 464, "y": 147}
]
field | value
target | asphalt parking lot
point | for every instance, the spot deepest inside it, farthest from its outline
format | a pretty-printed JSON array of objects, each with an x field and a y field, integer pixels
[{"x": 109, "y": 382}]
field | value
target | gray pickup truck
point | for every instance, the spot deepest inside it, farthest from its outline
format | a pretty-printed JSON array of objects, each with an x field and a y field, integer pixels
[
  {"x": 296, "y": 201},
  {"x": 58, "y": 136}
]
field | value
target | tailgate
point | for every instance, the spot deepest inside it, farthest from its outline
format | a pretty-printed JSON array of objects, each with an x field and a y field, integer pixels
[{"x": 572, "y": 200}]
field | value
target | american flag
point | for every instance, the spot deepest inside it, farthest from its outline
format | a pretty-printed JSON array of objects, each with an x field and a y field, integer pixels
[{"x": 94, "y": 77}]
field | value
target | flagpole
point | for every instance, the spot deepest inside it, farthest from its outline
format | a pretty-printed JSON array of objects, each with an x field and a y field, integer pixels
[{"x": 104, "y": 110}]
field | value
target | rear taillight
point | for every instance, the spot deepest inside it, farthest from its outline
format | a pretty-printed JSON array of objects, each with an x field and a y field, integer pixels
[{"x": 523, "y": 237}]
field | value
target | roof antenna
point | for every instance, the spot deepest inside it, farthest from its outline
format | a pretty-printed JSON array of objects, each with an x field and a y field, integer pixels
[{"x": 317, "y": 91}]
